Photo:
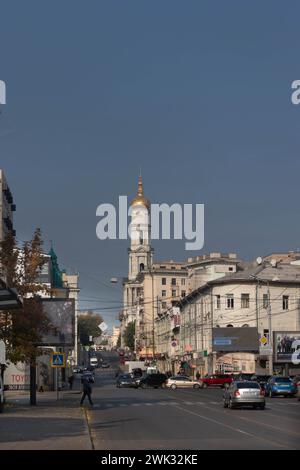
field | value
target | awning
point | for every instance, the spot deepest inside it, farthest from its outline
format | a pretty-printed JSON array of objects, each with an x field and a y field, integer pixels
[{"x": 8, "y": 297}]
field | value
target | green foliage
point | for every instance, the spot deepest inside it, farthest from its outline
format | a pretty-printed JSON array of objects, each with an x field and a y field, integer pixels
[
  {"x": 129, "y": 335},
  {"x": 88, "y": 326},
  {"x": 22, "y": 328}
]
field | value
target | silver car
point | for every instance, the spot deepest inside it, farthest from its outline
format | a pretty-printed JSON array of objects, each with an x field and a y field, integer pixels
[{"x": 244, "y": 393}]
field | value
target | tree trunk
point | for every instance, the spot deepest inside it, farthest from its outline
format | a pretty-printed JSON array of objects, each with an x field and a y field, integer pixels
[{"x": 33, "y": 383}]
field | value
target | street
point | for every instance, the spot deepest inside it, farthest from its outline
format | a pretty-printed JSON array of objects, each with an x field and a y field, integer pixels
[
  {"x": 186, "y": 419},
  {"x": 124, "y": 419}
]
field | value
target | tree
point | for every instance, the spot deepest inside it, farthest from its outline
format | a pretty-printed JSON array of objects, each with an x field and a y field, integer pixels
[
  {"x": 22, "y": 329},
  {"x": 129, "y": 335},
  {"x": 88, "y": 325},
  {"x": 119, "y": 341}
]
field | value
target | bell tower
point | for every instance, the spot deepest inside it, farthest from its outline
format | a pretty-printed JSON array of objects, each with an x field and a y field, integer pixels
[{"x": 140, "y": 251}]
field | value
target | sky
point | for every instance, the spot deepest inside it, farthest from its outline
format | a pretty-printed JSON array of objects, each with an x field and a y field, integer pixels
[{"x": 196, "y": 94}]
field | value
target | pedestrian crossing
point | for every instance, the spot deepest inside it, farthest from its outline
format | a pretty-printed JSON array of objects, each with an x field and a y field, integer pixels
[
  {"x": 160, "y": 403},
  {"x": 175, "y": 403}
]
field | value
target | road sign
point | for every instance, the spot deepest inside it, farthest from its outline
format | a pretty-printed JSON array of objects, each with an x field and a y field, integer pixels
[
  {"x": 103, "y": 326},
  {"x": 264, "y": 340},
  {"x": 58, "y": 360}
]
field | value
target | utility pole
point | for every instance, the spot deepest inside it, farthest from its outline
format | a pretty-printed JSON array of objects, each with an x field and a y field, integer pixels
[{"x": 270, "y": 333}]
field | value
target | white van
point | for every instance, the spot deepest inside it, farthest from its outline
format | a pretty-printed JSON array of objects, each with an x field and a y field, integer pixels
[{"x": 93, "y": 361}]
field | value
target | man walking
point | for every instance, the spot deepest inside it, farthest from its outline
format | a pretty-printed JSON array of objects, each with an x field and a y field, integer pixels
[{"x": 86, "y": 391}]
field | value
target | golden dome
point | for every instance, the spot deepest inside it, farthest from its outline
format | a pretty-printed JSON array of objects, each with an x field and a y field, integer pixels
[{"x": 140, "y": 199}]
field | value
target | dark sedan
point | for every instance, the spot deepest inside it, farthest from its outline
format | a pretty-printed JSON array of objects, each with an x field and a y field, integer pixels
[
  {"x": 152, "y": 380},
  {"x": 126, "y": 380}
]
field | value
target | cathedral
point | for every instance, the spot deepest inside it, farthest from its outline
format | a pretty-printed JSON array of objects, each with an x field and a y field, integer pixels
[{"x": 150, "y": 288}]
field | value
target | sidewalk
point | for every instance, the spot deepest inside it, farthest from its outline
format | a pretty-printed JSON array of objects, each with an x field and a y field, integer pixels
[{"x": 52, "y": 424}]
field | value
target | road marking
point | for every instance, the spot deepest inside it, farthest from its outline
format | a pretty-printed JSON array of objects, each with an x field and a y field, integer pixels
[
  {"x": 123, "y": 404},
  {"x": 188, "y": 403},
  {"x": 148, "y": 404},
  {"x": 135, "y": 404},
  {"x": 215, "y": 402},
  {"x": 240, "y": 431},
  {"x": 163, "y": 403},
  {"x": 261, "y": 423}
]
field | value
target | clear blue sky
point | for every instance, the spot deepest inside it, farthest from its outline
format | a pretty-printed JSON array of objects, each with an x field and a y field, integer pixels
[{"x": 195, "y": 93}]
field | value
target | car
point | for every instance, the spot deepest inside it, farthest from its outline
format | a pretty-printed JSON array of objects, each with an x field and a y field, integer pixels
[
  {"x": 278, "y": 385},
  {"x": 1, "y": 394},
  {"x": 244, "y": 393},
  {"x": 261, "y": 379},
  {"x": 126, "y": 380},
  {"x": 94, "y": 361},
  {"x": 216, "y": 380},
  {"x": 152, "y": 380},
  {"x": 137, "y": 373},
  {"x": 243, "y": 376},
  {"x": 181, "y": 381},
  {"x": 104, "y": 365},
  {"x": 89, "y": 376}
]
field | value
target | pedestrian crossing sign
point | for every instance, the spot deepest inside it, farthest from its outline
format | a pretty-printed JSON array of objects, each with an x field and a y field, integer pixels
[{"x": 58, "y": 360}]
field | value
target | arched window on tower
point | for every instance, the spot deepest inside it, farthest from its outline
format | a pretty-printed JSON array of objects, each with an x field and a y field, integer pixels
[{"x": 142, "y": 267}]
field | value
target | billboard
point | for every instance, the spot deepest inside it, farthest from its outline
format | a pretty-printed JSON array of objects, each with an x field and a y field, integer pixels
[
  {"x": 235, "y": 339},
  {"x": 286, "y": 344},
  {"x": 61, "y": 316},
  {"x": 17, "y": 377}
]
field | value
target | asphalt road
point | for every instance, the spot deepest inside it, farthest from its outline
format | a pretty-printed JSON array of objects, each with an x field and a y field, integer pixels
[{"x": 185, "y": 419}]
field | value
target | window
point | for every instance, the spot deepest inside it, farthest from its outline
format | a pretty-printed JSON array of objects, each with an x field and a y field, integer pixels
[
  {"x": 183, "y": 293},
  {"x": 230, "y": 301},
  {"x": 173, "y": 282},
  {"x": 230, "y": 268},
  {"x": 265, "y": 301},
  {"x": 285, "y": 302},
  {"x": 218, "y": 301},
  {"x": 174, "y": 293},
  {"x": 164, "y": 293},
  {"x": 164, "y": 281},
  {"x": 183, "y": 282},
  {"x": 142, "y": 267},
  {"x": 229, "y": 326},
  {"x": 245, "y": 300}
]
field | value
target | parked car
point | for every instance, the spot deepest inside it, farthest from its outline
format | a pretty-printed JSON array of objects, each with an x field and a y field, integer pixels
[
  {"x": 126, "y": 380},
  {"x": 261, "y": 379},
  {"x": 104, "y": 365},
  {"x": 137, "y": 373},
  {"x": 181, "y": 381},
  {"x": 216, "y": 380},
  {"x": 244, "y": 393},
  {"x": 152, "y": 380},
  {"x": 278, "y": 385}
]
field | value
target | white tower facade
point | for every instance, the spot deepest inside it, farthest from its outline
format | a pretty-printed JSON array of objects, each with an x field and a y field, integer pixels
[{"x": 140, "y": 252}]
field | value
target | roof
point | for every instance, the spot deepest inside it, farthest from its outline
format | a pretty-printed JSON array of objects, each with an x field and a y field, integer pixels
[{"x": 282, "y": 273}]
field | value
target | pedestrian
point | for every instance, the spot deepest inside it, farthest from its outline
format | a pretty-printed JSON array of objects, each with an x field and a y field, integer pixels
[
  {"x": 86, "y": 392},
  {"x": 71, "y": 380},
  {"x": 198, "y": 375}
]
